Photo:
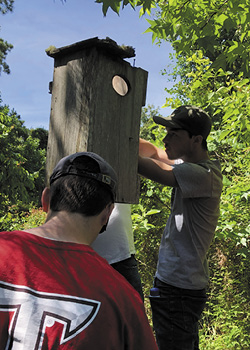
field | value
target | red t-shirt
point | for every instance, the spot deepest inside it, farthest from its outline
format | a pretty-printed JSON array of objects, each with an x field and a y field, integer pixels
[{"x": 59, "y": 295}]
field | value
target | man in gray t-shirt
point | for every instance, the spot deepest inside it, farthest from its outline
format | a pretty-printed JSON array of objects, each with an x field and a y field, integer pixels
[{"x": 182, "y": 271}]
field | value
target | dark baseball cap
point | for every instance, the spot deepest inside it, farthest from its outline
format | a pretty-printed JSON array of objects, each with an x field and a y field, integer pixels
[
  {"x": 74, "y": 164},
  {"x": 190, "y": 118}
]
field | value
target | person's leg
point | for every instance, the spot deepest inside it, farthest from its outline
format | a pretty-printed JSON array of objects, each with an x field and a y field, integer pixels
[
  {"x": 175, "y": 316},
  {"x": 129, "y": 269}
]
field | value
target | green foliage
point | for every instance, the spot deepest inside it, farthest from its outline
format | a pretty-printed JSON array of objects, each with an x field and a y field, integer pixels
[
  {"x": 5, "y": 47},
  {"x": 223, "y": 94},
  {"x": 116, "y": 5},
  {"x": 22, "y": 161},
  {"x": 22, "y": 216},
  {"x": 220, "y": 29},
  {"x": 6, "y": 6},
  {"x": 33, "y": 218},
  {"x": 201, "y": 25},
  {"x": 225, "y": 321}
]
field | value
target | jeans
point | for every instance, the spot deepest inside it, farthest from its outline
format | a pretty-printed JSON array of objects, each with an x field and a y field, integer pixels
[
  {"x": 129, "y": 269},
  {"x": 176, "y": 313}
]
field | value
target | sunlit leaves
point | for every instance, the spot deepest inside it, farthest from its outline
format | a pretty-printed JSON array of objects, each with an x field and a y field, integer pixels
[
  {"x": 22, "y": 162},
  {"x": 113, "y": 4},
  {"x": 117, "y": 5},
  {"x": 203, "y": 25},
  {"x": 6, "y": 6},
  {"x": 198, "y": 25},
  {"x": 5, "y": 47}
]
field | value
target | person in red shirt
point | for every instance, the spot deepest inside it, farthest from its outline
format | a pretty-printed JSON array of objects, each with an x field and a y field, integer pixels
[{"x": 56, "y": 292}]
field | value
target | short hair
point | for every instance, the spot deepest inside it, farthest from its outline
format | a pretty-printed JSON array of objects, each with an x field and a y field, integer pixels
[{"x": 77, "y": 194}]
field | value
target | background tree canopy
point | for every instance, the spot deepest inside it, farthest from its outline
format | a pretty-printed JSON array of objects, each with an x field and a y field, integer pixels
[
  {"x": 5, "y": 47},
  {"x": 22, "y": 163}
]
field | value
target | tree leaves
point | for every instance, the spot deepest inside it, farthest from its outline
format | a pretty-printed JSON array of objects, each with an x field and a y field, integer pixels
[
  {"x": 6, "y": 6},
  {"x": 113, "y": 4},
  {"x": 5, "y": 47},
  {"x": 22, "y": 161},
  {"x": 198, "y": 25},
  {"x": 116, "y": 5}
]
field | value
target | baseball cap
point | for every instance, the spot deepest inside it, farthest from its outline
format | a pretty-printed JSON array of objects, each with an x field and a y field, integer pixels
[
  {"x": 74, "y": 164},
  {"x": 190, "y": 118}
]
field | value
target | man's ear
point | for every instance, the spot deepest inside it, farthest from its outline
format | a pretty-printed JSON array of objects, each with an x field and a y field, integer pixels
[
  {"x": 45, "y": 199},
  {"x": 197, "y": 139}
]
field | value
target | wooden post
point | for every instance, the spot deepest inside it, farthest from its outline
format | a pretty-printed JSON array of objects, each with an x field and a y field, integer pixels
[{"x": 96, "y": 106}]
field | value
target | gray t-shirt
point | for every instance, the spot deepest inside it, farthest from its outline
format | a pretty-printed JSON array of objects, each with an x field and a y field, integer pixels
[{"x": 191, "y": 225}]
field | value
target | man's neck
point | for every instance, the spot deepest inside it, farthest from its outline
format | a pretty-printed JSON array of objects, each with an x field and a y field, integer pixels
[
  {"x": 68, "y": 227},
  {"x": 196, "y": 157}
]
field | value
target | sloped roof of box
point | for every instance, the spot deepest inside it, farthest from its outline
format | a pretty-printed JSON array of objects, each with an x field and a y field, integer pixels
[{"x": 108, "y": 45}]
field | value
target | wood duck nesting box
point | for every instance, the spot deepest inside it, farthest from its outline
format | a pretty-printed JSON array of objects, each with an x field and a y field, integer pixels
[{"x": 96, "y": 104}]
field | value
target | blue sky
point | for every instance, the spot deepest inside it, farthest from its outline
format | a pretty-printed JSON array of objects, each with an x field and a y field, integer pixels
[{"x": 35, "y": 25}]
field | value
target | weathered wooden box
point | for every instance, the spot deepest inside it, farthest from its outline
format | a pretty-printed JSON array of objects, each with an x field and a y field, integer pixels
[{"x": 96, "y": 106}]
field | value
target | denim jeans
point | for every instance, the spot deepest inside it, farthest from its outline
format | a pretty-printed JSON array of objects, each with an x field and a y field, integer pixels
[
  {"x": 176, "y": 313},
  {"x": 129, "y": 269}
]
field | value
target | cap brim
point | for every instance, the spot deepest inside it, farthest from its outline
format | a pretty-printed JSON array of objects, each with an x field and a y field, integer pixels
[{"x": 166, "y": 121}]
